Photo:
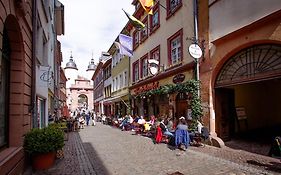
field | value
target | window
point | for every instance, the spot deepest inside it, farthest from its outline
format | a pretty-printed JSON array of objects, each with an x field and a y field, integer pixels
[
  {"x": 155, "y": 54},
  {"x": 125, "y": 79},
  {"x": 135, "y": 71},
  {"x": 41, "y": 112},
  {"x": 144, "y": 31},
  {"x": 116, "y": 83},
  {"x": 155, "y": 19},
  {"x": 4, "y": 89},
  {"x": 135, "y": 39},
  {"x": 121, "y": 81},
  {"x": 144, "y": 66},
  {"x": 173, "y": 6},
  {"x": 113, "y": 87},
  {"x": 175, "y": 48}
]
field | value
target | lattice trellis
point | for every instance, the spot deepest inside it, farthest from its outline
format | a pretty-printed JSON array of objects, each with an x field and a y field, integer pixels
[{"x": 250, "y": 64}]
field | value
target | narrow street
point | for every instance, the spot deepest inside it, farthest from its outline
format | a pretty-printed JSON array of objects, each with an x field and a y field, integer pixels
[{"x": 104, "y": 150}]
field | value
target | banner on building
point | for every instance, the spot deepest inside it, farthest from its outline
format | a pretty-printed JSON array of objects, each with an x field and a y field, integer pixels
[{"x": 125, "y": 45}]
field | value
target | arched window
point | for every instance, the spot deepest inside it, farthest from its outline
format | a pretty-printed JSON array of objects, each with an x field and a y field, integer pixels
[
  {"x": 251, "y": 64},
  {"x": 4, "y": 89}
]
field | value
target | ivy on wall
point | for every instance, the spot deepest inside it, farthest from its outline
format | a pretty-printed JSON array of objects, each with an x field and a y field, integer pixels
[{"x": 190, "y": 86}]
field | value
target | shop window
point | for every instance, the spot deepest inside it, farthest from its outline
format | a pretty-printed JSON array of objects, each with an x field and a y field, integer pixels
[{"x": 175, "y": 48}]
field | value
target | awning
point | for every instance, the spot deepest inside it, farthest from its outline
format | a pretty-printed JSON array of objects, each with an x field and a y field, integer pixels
[
  {"x": 112, "y": 99},
  {"x": 115, "y": 99}
]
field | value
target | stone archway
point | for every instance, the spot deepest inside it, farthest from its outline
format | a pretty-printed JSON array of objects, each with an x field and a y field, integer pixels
[
  {"x": 241, "y": 83},
  {"x": 19, "y": 97},
  {"x": 83, "y": 101}
]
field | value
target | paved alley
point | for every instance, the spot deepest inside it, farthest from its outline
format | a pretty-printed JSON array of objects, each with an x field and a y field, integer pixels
[{"x": 104, "y": 150}]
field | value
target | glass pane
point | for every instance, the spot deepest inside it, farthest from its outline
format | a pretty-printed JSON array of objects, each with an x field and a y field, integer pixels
[{"x": 155, "y": 19}]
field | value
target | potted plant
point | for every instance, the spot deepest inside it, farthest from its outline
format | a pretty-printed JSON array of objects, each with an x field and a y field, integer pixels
[{"x": 42, "y": 145}]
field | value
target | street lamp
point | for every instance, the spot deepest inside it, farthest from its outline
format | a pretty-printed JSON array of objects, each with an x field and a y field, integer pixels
[{"x": 194, "y": 49}]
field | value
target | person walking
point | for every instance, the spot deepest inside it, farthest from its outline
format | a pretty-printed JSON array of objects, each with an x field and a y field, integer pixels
[{"x": 87, "y": 118}]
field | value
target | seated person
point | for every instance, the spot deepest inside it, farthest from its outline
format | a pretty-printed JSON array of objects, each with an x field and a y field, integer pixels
[
  {"x": 181, "y": 134},
  {"x": 141, "y": 121},
  {"x": 165, "y": 129},
  {"x": 182, "y": 124},
  {"x": 124, "y": 122},
  {"x": 139, "y": 126},
  {"x": 152, "y": 120},
  {"x": 170, "y": 125},
  {"x": 146, "y": 127}
]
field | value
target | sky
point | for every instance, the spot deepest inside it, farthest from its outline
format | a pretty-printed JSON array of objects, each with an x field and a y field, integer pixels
[{"x": 91, "y": 26}]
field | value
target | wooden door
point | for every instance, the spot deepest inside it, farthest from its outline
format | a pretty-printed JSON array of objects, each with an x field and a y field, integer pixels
[
  {"x": 225, "y": 113},
  {"x": 181, "y": 105}
]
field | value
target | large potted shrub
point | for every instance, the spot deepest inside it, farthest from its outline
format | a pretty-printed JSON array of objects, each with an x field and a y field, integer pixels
[{"x": 42, "y": 145}]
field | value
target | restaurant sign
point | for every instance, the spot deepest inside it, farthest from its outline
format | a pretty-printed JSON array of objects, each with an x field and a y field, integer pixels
[
  {"x": 179, "y": 78},
  {"x": 147, "y": 87}
]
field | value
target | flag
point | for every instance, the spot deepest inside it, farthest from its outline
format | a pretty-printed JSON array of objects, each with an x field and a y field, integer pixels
[
  {"x": 125, "y": 45},
  {"x": 134, "y": 21},
  {"x": 147, "y": 5}
]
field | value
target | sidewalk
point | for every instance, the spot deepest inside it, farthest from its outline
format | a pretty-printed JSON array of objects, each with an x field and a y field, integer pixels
[{"x": 92, "y": 152}]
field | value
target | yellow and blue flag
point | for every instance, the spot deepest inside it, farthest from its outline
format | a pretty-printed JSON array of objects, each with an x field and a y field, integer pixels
[{"x": 134, "y": 21}]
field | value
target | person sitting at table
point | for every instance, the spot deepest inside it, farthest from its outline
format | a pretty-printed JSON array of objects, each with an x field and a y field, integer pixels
[
  {"x": 152, "y": 120},
  {"x": 181, "y": 134},
  {"x": 165, "y": 129},
  {"x": 140, "y": 124},
  {"x": 182, "y": 124},
  {"x": 170, "y": 125}
]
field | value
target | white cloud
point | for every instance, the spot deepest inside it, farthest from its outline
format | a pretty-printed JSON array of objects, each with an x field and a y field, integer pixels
[{"x": 91, "y": 26}]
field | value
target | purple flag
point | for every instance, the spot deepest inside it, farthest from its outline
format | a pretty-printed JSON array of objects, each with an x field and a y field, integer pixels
[{"x": 126, "y": 45}]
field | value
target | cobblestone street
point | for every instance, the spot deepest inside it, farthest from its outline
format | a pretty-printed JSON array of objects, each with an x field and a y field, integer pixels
[{"x": 104, "y": 150}]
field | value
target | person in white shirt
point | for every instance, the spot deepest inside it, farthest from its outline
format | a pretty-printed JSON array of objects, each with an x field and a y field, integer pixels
[{"x": 141, "y": 121}]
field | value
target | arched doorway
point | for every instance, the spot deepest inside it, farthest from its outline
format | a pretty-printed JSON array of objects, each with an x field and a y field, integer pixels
[
  {"x": 248, "y": 95},
  {"x": 5, "y": 62},
  {"x": 11, "y": 78},
  {"x": 83, "y": 102}
]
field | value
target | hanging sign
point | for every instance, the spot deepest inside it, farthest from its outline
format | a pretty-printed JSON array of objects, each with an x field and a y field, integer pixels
[
  {"x": 179, "y": 78},
  {"x": 195, "y": 51}
]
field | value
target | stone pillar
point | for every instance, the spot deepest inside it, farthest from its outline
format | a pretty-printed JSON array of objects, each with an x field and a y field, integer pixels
[{"x": 212, "y": 112}]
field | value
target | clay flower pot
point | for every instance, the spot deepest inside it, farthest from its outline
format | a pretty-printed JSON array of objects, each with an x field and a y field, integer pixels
[{"x": 43, "y": 161}]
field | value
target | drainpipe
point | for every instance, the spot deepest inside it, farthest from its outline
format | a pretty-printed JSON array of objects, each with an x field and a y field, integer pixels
[
  {"x": 195, "y": 16},
  {"x": 33, "y": 82}
]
